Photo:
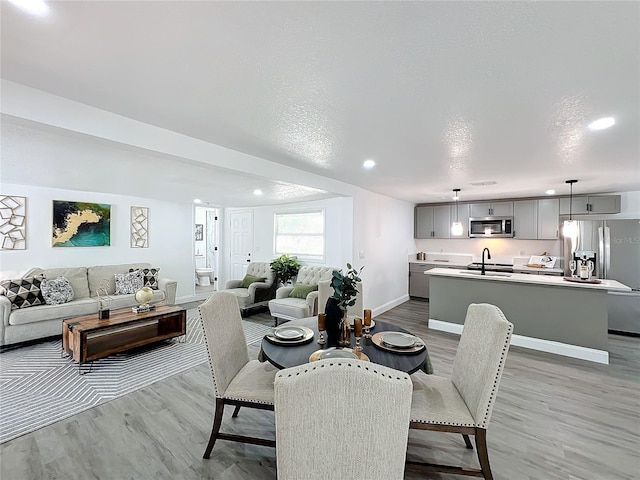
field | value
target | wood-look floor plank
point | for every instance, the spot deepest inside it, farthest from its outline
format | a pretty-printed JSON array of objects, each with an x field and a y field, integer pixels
[{"x": 554, "y": 418}]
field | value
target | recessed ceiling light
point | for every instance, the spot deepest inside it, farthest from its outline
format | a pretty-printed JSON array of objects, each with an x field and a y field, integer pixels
[
  {"x": 550, "y": 192},
  {"x": 369, "y": 164},
  {"x": 33, "y": 7},
  {"x": 257, "y": 191},
  {"x": 197, "y": 200},
  {"x": 602, "y": 123}
]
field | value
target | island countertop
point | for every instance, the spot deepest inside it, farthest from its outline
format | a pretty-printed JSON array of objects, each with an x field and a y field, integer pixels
[{"x": 555, "y": 281}]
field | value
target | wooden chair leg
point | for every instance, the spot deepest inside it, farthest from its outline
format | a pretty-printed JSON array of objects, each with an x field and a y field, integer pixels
[
  {"x": 235, "y": 412},
  {"x": 483, "y": 454},
  {"x": 217, "y": 422},
  {"x": 467, "y": 442}
]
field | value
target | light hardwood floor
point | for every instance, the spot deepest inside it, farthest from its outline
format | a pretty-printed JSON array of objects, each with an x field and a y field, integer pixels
[{"x": 555, "y": 418}]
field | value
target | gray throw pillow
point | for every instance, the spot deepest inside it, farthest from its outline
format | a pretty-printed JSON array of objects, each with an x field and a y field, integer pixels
[{"x": 56, "y": 291}]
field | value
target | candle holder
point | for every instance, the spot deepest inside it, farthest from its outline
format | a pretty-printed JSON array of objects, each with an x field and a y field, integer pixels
[
  {"x": 321, "y": 328},
  {"x": 367, "y": 323}
]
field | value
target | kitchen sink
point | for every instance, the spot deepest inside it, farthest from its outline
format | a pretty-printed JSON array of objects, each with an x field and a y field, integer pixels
[{"x": 487, "y": 274}]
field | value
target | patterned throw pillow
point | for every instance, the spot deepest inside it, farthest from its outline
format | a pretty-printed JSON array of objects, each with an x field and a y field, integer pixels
[
  {"x": 149, "y": 276},
  {"x": 23, "y": 292},
  {"x": 56, "y": 291},
  {"x": 127, "y": 283}
]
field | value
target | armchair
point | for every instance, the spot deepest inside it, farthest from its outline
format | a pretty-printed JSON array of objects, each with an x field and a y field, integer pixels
[
  {"x": 290, "y": 308},
  {"x": 254, "y": 294}
]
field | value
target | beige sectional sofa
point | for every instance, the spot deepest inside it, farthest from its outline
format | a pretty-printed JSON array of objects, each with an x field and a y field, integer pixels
[{"x": 40, "y": 321}]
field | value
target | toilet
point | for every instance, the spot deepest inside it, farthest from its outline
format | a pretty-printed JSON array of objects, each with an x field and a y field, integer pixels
[{"x": 204, "y": 276}]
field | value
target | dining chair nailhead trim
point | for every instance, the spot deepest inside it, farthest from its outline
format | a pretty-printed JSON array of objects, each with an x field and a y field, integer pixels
[{"x": 345, "y": 363}]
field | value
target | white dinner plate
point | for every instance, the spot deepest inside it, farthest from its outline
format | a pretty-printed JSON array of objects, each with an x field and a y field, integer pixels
[
  {"x": 337, "y": 353},
  {"x": 288, "y": 333},
  {"x": 399, "y": 339}
]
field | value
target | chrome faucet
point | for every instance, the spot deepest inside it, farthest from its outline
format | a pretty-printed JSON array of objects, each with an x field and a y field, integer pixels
[{"x": 488, "y": 258}]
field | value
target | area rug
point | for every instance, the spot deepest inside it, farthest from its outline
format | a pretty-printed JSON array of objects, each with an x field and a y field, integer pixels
[{"x": 38, "y": 387}]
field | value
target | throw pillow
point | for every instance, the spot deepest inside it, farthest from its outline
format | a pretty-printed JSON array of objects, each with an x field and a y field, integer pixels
[
  {"x": 56, "y": 291},
  {"x": 249, "y": 279},
  {"x": 301, "y": 290},
  {"x": 149, "y": 277},
  {"x": 127, "y": 283},
  {"x": 23, "y": 292}
]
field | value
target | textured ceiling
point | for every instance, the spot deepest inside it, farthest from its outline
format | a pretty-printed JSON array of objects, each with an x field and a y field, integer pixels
[{"x": 439, "y": 94}]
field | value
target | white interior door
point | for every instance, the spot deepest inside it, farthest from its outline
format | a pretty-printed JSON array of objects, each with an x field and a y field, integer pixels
[{"x": 241, "y": 227}]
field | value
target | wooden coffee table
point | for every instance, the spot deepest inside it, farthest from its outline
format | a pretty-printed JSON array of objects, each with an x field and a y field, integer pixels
[{"x": 88, "y": 338}]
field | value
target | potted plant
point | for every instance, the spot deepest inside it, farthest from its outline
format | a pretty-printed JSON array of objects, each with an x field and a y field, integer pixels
[
  {"x": 285, "y": 268},
  {"x": 345, "y": 286},
  {"x": 345, "y": 290}
]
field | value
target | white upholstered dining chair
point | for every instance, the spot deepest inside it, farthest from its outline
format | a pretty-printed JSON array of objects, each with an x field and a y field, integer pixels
[
  {"x": 341, "y": 419},
  {"x": 237, "y": 380},
  {"x": 463, "y": 403}
]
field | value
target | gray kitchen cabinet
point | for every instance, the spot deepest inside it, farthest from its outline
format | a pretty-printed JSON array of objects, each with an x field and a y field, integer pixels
[
  {"x": 433, "y": 221},
  {"x": 588, "y": 204},
  {"x": 525, "y": 219},
  {"x": 485, "y": 209},
  {"x": 424, "y": 222},
  {"x": 548, "y": 218},
  {"x": 418, "y": 281}
]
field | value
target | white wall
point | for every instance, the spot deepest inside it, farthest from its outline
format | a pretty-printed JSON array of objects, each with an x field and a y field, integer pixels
[{"x": 170, "y": 236}]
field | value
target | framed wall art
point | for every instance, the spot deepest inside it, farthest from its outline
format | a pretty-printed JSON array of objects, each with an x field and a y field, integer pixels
[
  {"x": 139, "y": 227},
  {"x": 81, "y": 224},
  {"x": 199, "y": 232},
  {"x": 13, "y": 222}
]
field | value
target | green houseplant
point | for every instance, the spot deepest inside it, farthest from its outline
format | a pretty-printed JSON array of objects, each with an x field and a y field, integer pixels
[
  {"x": 345, "y": 286},
  {"x": 285, "y": 267}
]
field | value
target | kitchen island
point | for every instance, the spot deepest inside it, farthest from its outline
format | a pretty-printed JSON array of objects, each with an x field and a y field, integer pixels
[{"x": 548, "y": 313}]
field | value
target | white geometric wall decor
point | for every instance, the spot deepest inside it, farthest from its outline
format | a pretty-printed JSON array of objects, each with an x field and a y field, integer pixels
[
  {"x": 13, "y": 222},
  {"x": 139, "y": 227}
]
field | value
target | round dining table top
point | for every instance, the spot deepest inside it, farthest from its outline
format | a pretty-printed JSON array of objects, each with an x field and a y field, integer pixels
[{"x": 286, "y": 356}]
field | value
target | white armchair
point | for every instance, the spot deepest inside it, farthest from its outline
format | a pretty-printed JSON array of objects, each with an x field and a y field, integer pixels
[
  {"x": 253, "y": 294},
  {"x": 286, "y": 307}
]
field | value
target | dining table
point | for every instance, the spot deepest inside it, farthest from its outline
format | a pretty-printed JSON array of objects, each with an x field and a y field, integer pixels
[{"x": 287, "y": 355}]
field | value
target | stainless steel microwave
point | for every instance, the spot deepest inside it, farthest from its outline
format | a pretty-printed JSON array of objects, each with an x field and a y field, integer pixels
[{"x": 490, "y": 227}]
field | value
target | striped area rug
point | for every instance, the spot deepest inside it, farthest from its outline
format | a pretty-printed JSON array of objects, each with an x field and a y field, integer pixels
[{"x": 38, "y": 387}]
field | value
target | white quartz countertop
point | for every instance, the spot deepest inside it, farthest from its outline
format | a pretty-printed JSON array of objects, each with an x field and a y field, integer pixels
[
  {"x": 522, "y": 268},
  {"x": 550, "y": 280},
  {"x": 443, "y": 263}
]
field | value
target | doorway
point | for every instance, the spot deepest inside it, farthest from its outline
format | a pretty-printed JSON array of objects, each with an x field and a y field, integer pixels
[{"x": 206, "y": 251}]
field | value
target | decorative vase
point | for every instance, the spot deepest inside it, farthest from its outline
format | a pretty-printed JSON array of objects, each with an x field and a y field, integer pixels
[
  {"x": 345, "y": 331},
  {"x": 333, "y": 322}
]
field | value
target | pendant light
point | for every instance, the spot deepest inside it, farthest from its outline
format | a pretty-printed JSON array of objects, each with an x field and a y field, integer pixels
[
  {"x": 570, "y": 227},
  {"x": 456, "y": 227}
]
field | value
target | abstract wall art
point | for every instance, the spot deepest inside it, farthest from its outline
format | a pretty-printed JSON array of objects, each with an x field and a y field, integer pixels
[
  {"x": 199, "y": 232},
  {"x": 13, "y": 222},
  {"x": 139, "y": 227},
  {"x": 81, "y": 224}
]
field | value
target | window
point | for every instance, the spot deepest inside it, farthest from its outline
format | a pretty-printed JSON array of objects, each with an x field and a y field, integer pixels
[{"x": 300, "y": 233}]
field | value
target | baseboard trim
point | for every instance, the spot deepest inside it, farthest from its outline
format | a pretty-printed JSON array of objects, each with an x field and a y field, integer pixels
[
  {"x": 624, "y": 333},
  {"x": 389, "y": 305},
  {"x": 548, "y": 346}
]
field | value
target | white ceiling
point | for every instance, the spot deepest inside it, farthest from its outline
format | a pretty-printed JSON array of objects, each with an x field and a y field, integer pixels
[{"x": 439, "y": 94}]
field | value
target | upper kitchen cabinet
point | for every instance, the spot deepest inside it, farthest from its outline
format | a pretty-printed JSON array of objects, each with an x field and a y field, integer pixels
[
  {"x": 433, "y": 221},
  {"x": 485, "y": 209},
  {"x": 525, "y": 219},
  {"x": 536, "y": 219},
  {"x": 590, "y": 204},
  {"x": 548, "y": 218}
]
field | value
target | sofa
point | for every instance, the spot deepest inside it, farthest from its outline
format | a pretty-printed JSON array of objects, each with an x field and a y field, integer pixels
[
  {"x": 41, "y": 321},
  {"x": 286, "y": 306},
  {"x": 255, "y": 294}
]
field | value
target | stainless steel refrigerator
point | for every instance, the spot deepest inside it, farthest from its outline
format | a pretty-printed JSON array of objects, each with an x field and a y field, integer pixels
[{"x": 615, "y": 247}]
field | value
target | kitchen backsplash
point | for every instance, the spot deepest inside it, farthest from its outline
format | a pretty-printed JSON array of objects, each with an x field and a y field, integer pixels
[{"x": 499, "y": 247}]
